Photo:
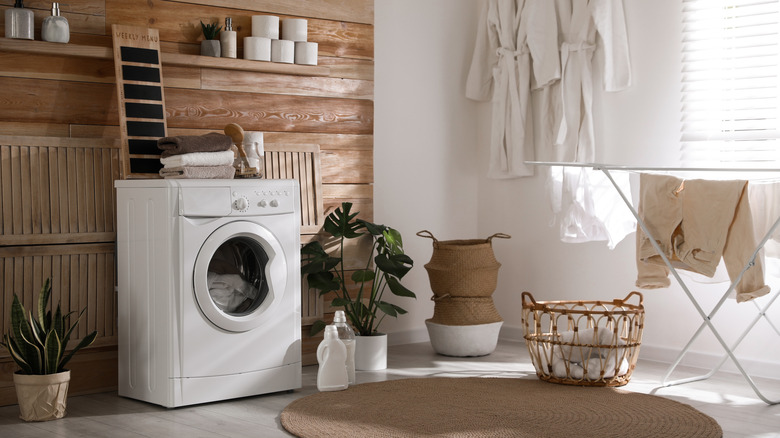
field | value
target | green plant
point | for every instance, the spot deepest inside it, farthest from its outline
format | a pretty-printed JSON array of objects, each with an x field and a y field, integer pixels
[
  {"x": 37, "y": 343},
  {"x": 326, "y": 272},
  {"x": 210, "y": 31}
]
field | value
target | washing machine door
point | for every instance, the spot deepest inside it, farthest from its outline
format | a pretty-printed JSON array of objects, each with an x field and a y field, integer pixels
[{"x": 240, "y": 276}]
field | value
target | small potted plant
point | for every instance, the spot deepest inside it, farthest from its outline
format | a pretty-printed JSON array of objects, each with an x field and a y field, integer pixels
[
  {"x": 364, "y": 308},
  {"x": 37, "y": 344},
  {"x": 210, "y": 45}
]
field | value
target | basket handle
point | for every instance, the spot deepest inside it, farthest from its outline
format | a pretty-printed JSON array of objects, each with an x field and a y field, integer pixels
[
  {"x": 427, "y": 236},
  {"x": 500, "y": 236},
  {"x": 628, "y": 297},
  {"x": 529, "y": 297}
]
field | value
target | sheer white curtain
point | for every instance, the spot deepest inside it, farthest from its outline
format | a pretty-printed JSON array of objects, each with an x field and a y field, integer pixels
[{"x": 731, "y": 83}]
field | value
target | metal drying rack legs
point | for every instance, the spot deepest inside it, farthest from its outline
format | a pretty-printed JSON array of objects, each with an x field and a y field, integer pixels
[{"x": 706, "y": 318}]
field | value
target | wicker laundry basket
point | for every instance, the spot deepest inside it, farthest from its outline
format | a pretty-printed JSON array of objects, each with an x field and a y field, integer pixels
[
  {"x": 585, "y": 343},
  {"x": 463, "y": 268}
]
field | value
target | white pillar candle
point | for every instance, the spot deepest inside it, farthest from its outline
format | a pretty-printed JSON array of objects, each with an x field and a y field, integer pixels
[
  {"x": 305, "y": 53},
  {"x": 257, "y": 48},
  {"x": 294, "y": 29},
  {"x": 282, "y": 51},
  {"x": 266, "y": 26}
]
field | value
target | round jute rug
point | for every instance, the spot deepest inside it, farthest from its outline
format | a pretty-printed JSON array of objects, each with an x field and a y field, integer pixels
[{"x": 491, "y": 407}]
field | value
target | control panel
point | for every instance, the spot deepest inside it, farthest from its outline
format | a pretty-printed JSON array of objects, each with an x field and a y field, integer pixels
[{"x": 262, "y": 200}]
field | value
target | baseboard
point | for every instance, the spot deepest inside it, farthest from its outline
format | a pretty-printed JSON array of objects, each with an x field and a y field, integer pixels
[
  {"x": 664, "y": 354},
  {"x": 706, "y": 361},
  {"x": 408, "y": 337}
]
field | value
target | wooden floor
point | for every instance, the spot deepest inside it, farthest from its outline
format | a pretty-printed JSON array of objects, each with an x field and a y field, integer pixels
[{"x": 725, "y": 397}]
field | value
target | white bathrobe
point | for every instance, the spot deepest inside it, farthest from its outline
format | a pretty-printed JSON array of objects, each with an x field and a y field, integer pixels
[
  {"x": 568, "y": 106},
  {"x": 571, "y": 99},
  {"x": 515, "y": 38}
]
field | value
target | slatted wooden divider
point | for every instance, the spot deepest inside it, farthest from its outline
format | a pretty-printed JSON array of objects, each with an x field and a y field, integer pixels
[
  {"x": 300, "y": 162},
  {"x": 57, "y": 190},
  {"x": 82, "y": 277},
  {"x": 57, "y": 221}
]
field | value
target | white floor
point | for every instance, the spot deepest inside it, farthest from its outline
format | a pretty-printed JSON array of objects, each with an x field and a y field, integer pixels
[{"x": 725, "y": 397}]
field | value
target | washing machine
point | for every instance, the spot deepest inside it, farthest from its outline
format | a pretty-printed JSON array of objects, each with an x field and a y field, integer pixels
[{"x": 209, "y": 303}]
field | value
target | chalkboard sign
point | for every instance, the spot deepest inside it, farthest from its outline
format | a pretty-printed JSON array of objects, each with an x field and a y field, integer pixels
[{"x": 139, "y": 87}]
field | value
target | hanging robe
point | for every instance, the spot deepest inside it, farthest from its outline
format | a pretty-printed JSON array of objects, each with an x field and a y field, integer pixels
[
  {"x": 568, "y": 107},
  {"x": 516, "y": 49},
  {"x": 572, "y": 96}
]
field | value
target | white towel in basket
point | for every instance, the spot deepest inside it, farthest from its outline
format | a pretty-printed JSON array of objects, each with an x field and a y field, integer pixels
[{"x": 586, "y": 352}]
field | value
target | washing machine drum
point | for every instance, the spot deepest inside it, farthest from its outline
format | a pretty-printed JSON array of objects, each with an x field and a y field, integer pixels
[{"x": 239, "y": 273}]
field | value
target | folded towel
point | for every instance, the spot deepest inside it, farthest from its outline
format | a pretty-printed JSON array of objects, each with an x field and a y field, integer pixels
[
  {"x": 185, "y": 144},
  {"x": 222, "y": 158},
  {"x": 563, "y": 369},
  {"x": 199, "y": 172}
]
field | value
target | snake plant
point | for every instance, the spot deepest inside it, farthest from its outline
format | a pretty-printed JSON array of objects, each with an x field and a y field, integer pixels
[{"x": 37, "y": 342}]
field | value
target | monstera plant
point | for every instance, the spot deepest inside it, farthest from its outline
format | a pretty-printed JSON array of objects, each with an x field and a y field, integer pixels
[{"x": 386, "y": 265}]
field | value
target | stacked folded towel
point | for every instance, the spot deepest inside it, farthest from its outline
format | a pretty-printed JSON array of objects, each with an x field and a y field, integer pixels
[
  {"x": 197, "y": 156},
  {"x": 590, "y": 354}
]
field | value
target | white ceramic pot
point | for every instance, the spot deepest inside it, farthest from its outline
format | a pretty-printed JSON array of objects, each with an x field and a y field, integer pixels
[
  {"x": 464, "y": 340},
  {"x": 371, "y": 352},
  {"x": 42, "y": 397}
]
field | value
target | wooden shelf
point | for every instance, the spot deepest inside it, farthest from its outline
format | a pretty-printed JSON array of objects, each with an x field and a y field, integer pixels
[{"x": 176, "y": 59}]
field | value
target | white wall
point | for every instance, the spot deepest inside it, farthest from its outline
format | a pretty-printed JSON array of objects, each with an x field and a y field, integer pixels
[
  {"x": 425, "y": 156},
  {"x": 638, "y": 126},
  {"x": 431, "y": 147}
]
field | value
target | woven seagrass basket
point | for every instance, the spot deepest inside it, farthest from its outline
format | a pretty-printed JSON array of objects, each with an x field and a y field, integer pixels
[
  {"x": 449, "y": 310},
  {"x": 463, "y": 268},
  {"x": 585, "y": 343}
]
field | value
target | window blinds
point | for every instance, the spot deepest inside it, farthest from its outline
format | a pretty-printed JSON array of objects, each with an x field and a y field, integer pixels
[{"x": 731, "y": 83}]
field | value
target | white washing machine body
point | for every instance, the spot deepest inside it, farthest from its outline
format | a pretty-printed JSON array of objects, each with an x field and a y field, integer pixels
[{"x": 209, "y": 289}]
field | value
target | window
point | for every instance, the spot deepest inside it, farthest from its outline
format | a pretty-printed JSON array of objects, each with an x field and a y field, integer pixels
[{"x": 731, "y": 83}]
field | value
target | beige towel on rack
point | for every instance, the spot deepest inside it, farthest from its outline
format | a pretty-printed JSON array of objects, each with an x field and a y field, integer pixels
[
  {"x": 695, "y": 223},
  {"x": 199, "y": 172}
]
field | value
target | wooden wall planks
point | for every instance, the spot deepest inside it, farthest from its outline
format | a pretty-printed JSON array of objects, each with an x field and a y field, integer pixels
[
  {"x": 67, "y": 94},
  {"x": 264, "y": 112}
]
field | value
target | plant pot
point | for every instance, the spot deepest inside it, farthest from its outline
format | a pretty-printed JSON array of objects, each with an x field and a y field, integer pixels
[
  {"x": 42, "y": 397},
  {"x": 464, "y": 340},
  {"x": 371, "y": 352},
  {"x": 210, "y": 48}
]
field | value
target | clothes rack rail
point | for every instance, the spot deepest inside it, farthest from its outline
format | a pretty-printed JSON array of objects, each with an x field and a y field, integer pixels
[{"x": 706, "y": 317}]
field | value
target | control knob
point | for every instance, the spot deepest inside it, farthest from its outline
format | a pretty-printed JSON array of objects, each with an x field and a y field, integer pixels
[{"x": 241, "y": 204}]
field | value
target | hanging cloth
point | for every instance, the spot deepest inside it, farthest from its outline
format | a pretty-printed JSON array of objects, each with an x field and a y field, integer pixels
[
  {"x": 568, "y": 109},
  {"x": 571, "y": 99},
  {"x": 516, "y": 40}
]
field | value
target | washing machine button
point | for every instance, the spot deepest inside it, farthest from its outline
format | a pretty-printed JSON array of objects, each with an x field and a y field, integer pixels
[
  {"x": 262, "y": 203},
  {"x": 241, "y": 204},
  {"x": 274, "y": 203}
]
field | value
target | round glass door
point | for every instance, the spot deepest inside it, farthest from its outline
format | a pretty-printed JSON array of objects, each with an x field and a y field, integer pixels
[{"x": 239, "y": 274}]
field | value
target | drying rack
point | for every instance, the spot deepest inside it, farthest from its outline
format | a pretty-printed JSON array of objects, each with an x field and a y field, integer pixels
[{"x": 706, "y": 317}]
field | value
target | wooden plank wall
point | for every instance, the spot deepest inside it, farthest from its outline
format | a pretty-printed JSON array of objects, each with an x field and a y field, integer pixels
[{"x": 72, "y": 97}]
